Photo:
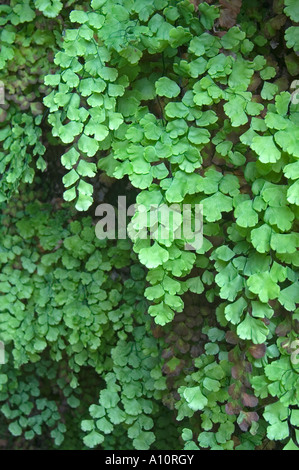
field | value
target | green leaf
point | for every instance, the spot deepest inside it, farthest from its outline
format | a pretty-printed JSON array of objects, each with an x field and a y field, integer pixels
[
  {"x": 166, "y": 87},
  {"x": 187, "y": 434},
  {"x": 254, "y": 109},
  {"x": 153, "y": 256},
  {"x": 276, "y": 415},
  {"x": 93, "y": 439},
  {"x": 195, "y": 399},
  {"x": 69, "y": 194},
  {"x": 24, "y": 11},
  {"x": 288, "y": 140},
  {"x": 233, "y": 312},
  {"x": 146, "y": 88},
  {"x": 104, "y": 425},
  {"x": 235, "y": 110},
  {"x": 176, "y": 128},
  {"x": 230, "y": 281},
  {"x": 144, "y": 440},
  {"x": 285, "y": 243},
  {"x": 70, "y": 178},
  {"x": 73, "y": 401},
  {"x": 162, "y": 313},
  {"x": 84, "y": 202},
  {"x": 115, "y": 120},
  {"x": 245, "y": 215},
  {"x": 100, "y": 131},
  {"x": 195, "y": 285},
  {"x": 269, "y": 90},
  {"x": 86, "y": 169},
  {"x": 282, "y": 102},
  {"x": 292, "y": 37},
  {"x": 154, "y": 292},
  {"x": 207, "y": 439},
  {"x": 108, "y": 399},
  {"x": 211, "y": 384},
  {"x": 208, "y": 14},
  {"x": 267, "y": 73},
  {"x": 266, "y": 149},
  {"x": 253, "y": 329},
  {"x": 71, "y": 78},
  {"x": 292, "y": 9},
  {"x": 224, "y": 432},
  {"x": 289, "y": 297},
  {"x": 68, "y": 132},
  {"x": 281, "y": 216},
  {"x": 293, "y": 193},
  {"x": 291, "y": 171},
  {"x": 240, "y": 77},
  {"x": 260, "y": 310},
  {"x": 232, "y": 38},
  {"x": 8, "y": 36},
  {"x": 179, "y": 36},
  {"x": 260, "y": 238},
  {"x": 88, "y": 145},
  {"x": 132, "y": 54},
  {"x": 78, "y": 16},
  {"x": 213, "y": 206},
  {"x": 196, "y": 46},
  {"x": 70, "y": 158},
  {"x": 199, "y": 136},
  {"x": 15, "y": 428}
]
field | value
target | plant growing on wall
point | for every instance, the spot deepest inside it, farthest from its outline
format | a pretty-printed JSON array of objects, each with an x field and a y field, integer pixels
[{"x": 181, "y": 103}]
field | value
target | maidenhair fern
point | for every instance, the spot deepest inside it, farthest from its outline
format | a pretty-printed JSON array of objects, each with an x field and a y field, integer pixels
[{"x": 183, "y": 103}]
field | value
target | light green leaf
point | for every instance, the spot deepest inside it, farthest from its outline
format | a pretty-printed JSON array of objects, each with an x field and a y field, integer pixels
[
  {"x": 213, "y": 206},
  {"x": 93, "y": 439},
  {"x": 195, "y": 285},
  {"x": 88, "y": 145},
  {"x": 263, "y": 285},
  {"x": 235, "y": 110},
  {"x": 199, "y": 136},
  {"x": 86, "y": 168},
  {"x": 261, "y": 237},
  {"x": 233, "y": 312},
  {"x": 293, "y": 193},
  {"x": 292, "y": 9},
  {"x": 266, "y": 149},
  {"x": 195, "y": 399},
  {"x": 68, "y": 132},
  {"x": 245, "y": 214},
  {"x": 70, "y": 158},
  {"x": 162, "y": 313},
  {"x": 70, "y": 178}
]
